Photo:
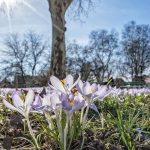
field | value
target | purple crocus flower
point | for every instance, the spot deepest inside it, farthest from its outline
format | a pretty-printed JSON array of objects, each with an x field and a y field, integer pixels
[
  {"x": 48, "y": 102},
  {"x": 71, "y": 102},
  {"x": 37, "y": 102},
  {"x": 93, "y": 91}
]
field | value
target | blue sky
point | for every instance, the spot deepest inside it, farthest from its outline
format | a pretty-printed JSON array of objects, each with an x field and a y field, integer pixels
[{"x": 108, "y": 14}]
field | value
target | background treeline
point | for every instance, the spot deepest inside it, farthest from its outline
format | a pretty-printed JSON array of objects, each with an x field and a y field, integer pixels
[{"x": 25, "y": 60}]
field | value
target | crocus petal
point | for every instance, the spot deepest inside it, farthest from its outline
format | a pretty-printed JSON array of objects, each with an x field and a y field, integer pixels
[
  {"x": 10, "y": 106},
  {"x": 69, "y": 81},
  {"x": 29, "y": 98},
  {"x": 56, "y": 83},
  {"x": 66, "y": 105},
  {"x": 52, "y": 88},
  {"x": 79, "y": 97},
  {"x": 75, "y": 83},
  {"x": 79, "y": 102},
  {"x": 46, "y": 100},
  {"x": 17, "y": 101},
  {"x": 64, "y": 101},
  {"x": 71, "y": 96},
  {"x": 79, "y": 87},
  {"x": 55, "y": 101},
  {"x": 87, "y": 88},
  {"x": 37, "y": 102},
  {"x": 78, "y": 105},
  {"x": 94, "y": 87},
  {"x": 102, "y": 92}
]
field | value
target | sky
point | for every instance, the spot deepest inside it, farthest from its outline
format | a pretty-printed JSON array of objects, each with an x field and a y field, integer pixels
[{"x": 107, "y": 14}]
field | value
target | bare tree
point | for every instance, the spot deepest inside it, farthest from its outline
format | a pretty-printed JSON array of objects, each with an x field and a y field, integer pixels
[
  {"x": 102, "y": 46},
  {"x": 23, "y": 55},
  {"x": 15, "y": 55},
  {"x": 136, "y": 48},
  {"x": 74, "y": 58},
  {"x": 121, "y": 68},
  {"x": 95, "y": 59},
  {"x": 58, "y": 10},
  {"x": 78, "y": 60},
  {"x": 37, "y": 50}
]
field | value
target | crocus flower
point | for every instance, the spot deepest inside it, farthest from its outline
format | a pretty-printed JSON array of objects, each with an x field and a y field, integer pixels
[
  {"x": 37, "y": 102},
  {"x": 92, "y": 92},
  {"x": 48, "y": 102},
  {"x": 71, "y": 102},
  {"x": 102, "y": 92},
  {"x": 23, "y": 107},
  {"x": 63, "y": 85}
]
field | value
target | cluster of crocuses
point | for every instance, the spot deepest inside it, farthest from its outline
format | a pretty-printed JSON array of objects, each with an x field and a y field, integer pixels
[
  {"x": 63, "y": 97},
  {"x": 131, "y": 91}
]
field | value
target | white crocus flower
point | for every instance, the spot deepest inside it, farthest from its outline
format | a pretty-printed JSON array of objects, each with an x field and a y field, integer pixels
[
  {"x": 65, "y": 85},
  {"x": 50, "y": 101},
  {"x": 18, "y": 104}
]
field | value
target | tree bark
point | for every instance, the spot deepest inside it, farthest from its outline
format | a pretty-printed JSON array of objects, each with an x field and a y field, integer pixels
[{"x": 57, "y": 9}]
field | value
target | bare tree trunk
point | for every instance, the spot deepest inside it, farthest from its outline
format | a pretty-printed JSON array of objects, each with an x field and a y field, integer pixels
[
  {"x": 58, "y": 67},
  {"x": 57, "y": 9}
]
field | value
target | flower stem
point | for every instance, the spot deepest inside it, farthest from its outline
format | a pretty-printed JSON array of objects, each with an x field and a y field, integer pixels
[
  {"x": 85, "y": 115},
  {"x": 81, "y": 118},
  {"x": 66, "y": 131},
  {"x": 58, "y": 121},
  {"x": 31, "y": 133},
  {"x": 49, "y": 120},
  {"x": 102, "y": 120}
]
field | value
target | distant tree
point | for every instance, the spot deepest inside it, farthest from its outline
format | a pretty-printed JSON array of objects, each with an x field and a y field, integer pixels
[
  {"x": 73, "y": 58},
  {"x": 58, "y": 10},
  {"x": 95, "y": 59},
  {"x": 37, "y": 51},
  {"x": 78, "y": 61},
  {"x": 121, "y": 68},
  {"x": 102, "y": 46},
  {"x": 136, "y": 48},
  {"x": 15, "y": 56},
  {"x": 23, "y": 55}
]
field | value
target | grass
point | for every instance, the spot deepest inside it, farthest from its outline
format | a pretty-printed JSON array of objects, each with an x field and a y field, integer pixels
[{"x": 123, "y": 124}]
